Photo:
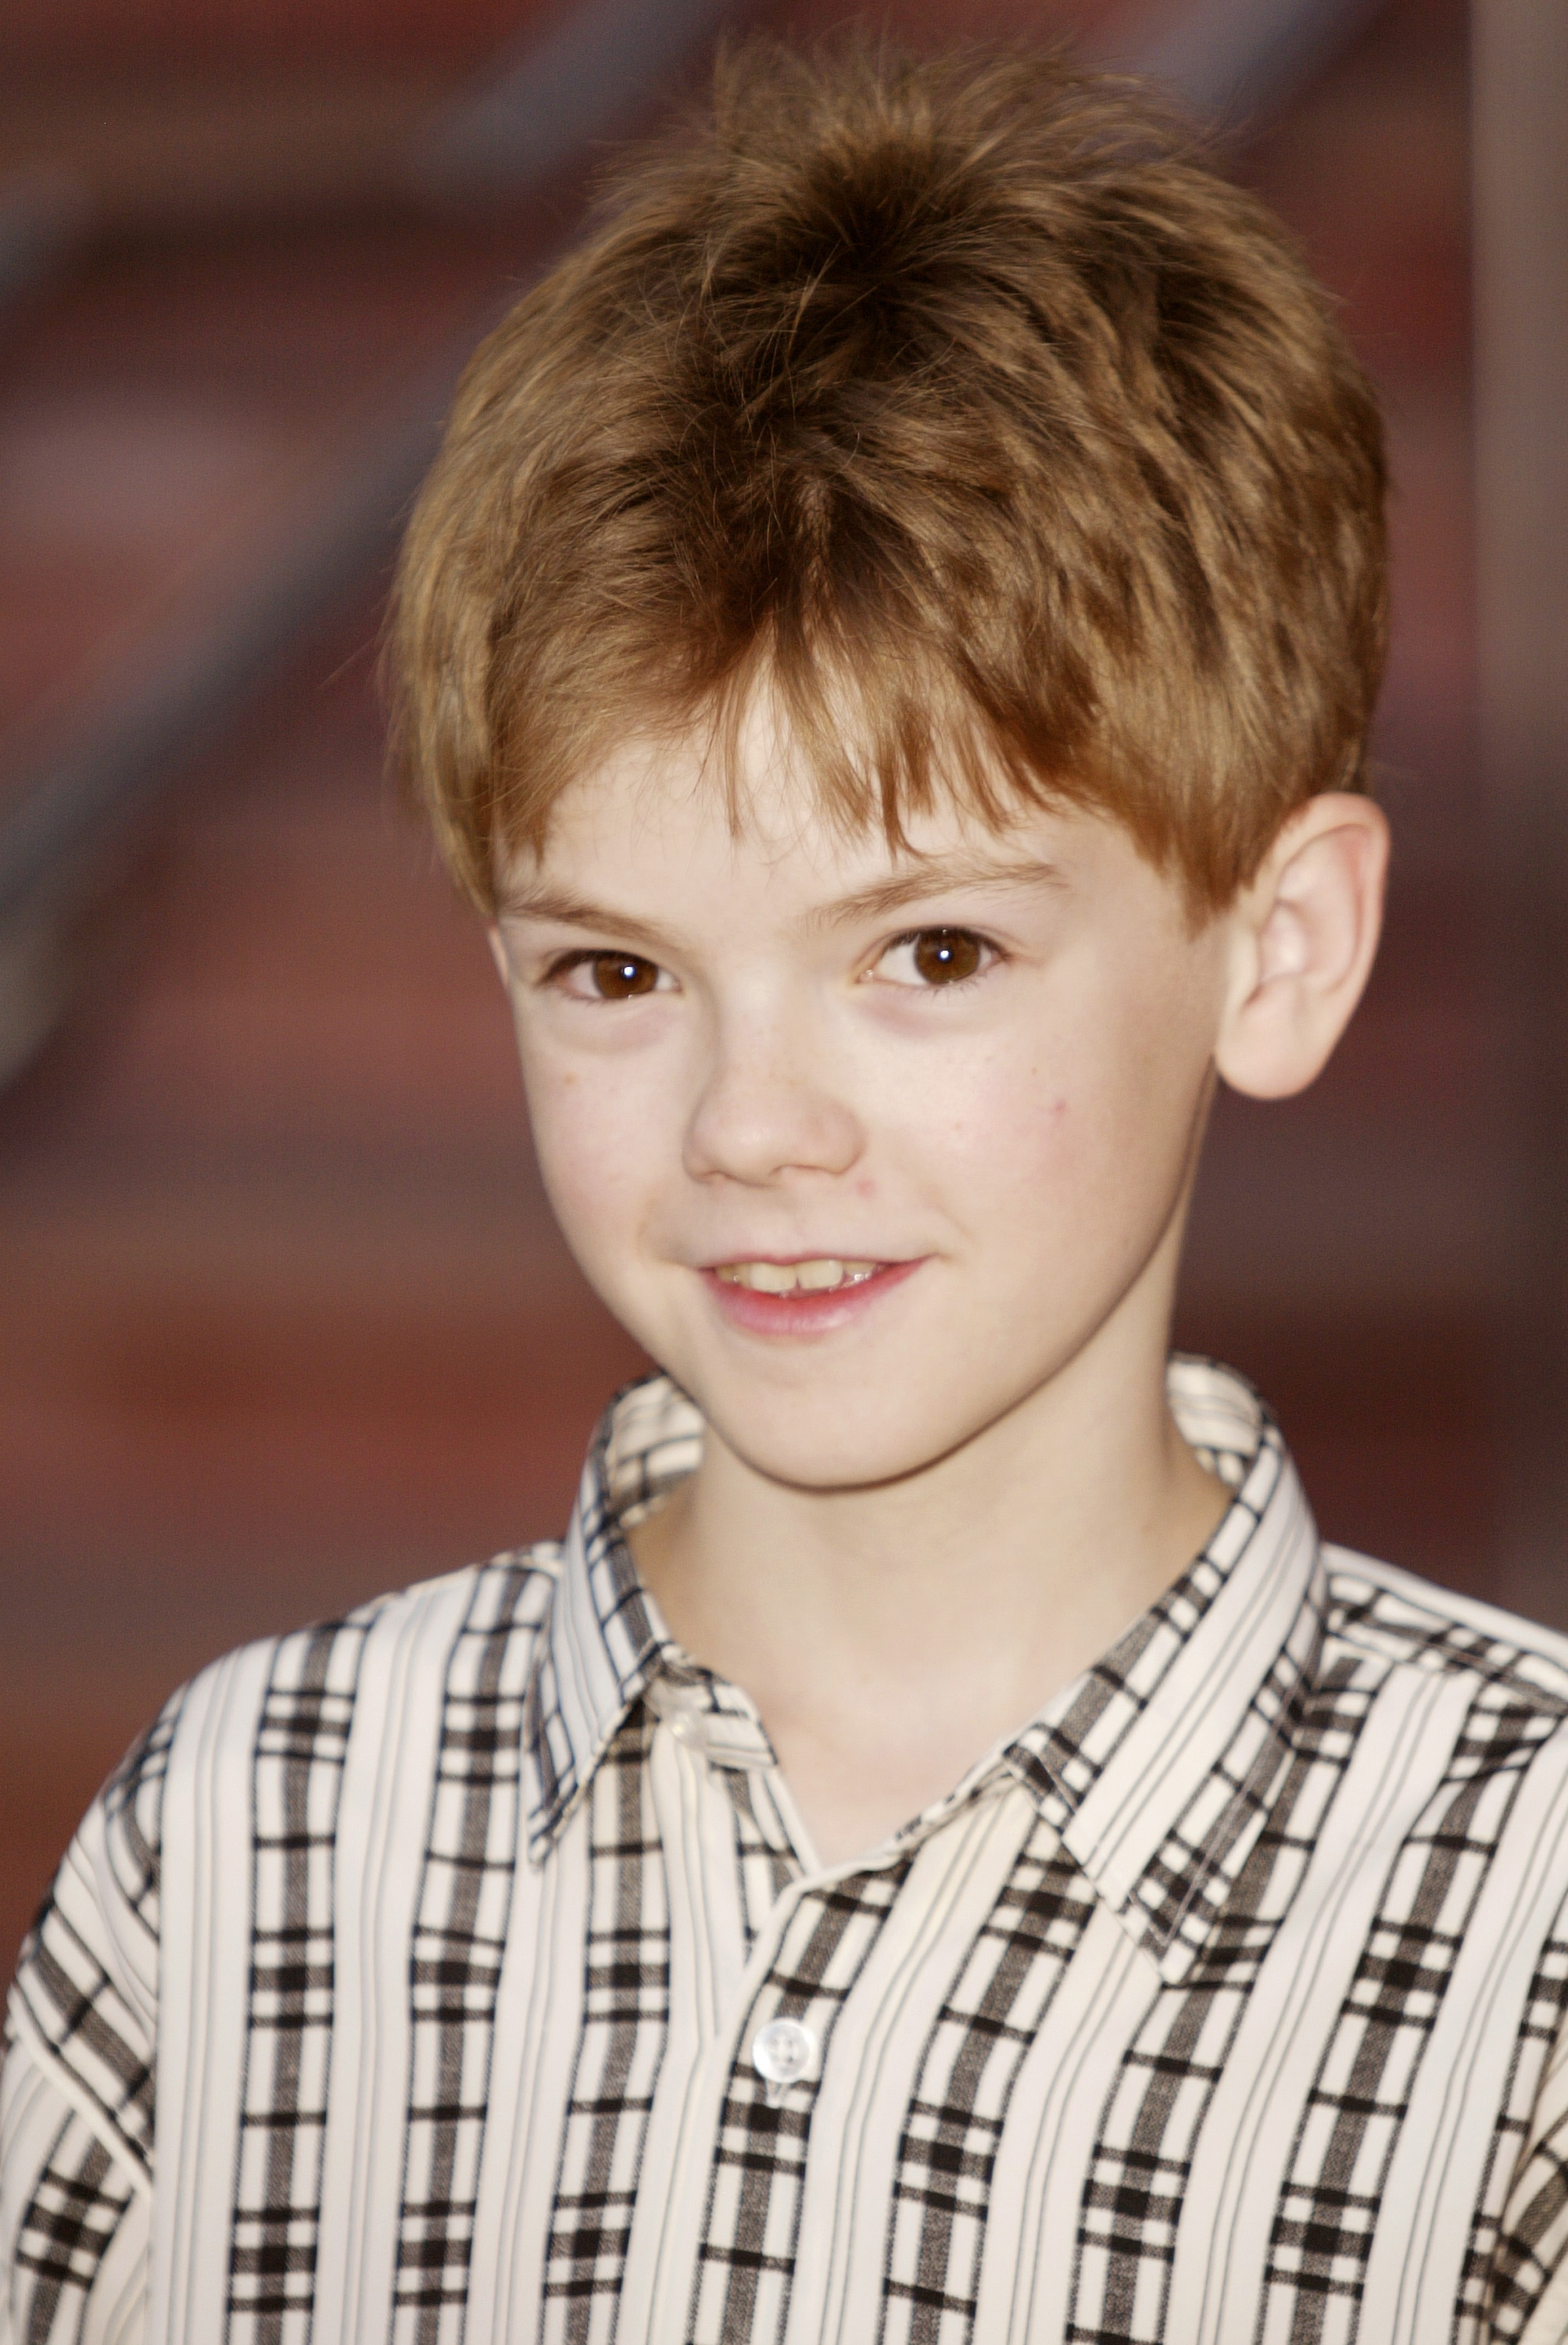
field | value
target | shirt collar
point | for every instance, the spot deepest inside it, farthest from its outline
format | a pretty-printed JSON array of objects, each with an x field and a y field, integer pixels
[
  {"x": 1158, "y": 1765},
  {"x": 605, "y": 1643},
  {"x": 1161, "y": 1762}
]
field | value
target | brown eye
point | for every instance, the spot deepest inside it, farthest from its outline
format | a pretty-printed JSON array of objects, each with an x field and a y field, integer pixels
[
  {"x": 617, "y": 976},
  {"x": 946, "y": 956}
]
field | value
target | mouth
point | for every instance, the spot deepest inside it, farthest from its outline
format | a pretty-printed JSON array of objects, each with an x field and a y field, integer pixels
[
  {"x": 820, "y": 1274},
  {"x": 812, "y": 1296}
]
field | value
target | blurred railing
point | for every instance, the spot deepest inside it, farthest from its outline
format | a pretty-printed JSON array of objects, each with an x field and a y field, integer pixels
[
  {"x": 44, "y": 217},
  {"x": 84, "y": 786}
]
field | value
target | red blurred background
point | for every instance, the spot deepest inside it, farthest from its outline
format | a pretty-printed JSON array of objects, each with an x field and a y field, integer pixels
[{"x": 283, "y": 1318}]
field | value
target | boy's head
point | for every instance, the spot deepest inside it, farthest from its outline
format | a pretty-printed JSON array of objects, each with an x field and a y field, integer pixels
[
  {"x": 960, "y": 405},
  {"x": 888, "y": 640}
]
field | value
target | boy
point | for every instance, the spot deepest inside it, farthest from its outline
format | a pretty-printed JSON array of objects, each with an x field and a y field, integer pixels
[{"x": 939, "y": 1852}]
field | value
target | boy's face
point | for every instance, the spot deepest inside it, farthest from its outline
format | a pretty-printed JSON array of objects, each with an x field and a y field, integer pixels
[{"x": 862, "y": 1148}]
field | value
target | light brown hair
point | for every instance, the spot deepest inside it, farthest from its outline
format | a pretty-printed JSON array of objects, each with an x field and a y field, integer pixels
[{"x": 960, "y": 404}]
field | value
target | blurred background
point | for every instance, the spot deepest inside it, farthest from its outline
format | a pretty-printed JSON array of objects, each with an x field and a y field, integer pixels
[{"x": 283, "y": 1318}]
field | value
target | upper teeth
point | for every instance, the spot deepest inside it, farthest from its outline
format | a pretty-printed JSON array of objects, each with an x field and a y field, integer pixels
[{"x": 785, "y": 1277}]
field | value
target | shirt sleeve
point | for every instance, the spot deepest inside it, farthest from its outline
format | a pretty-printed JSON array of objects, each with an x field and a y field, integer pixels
[
  {"x": 74, "y": 2223},
  {"x": 76, "y": 2095},
  {"x": 1530, "y": 2265}
]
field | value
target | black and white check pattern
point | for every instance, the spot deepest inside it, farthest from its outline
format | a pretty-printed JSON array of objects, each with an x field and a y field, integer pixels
[
  {"x": 78, "y": 1999},
  {"x": 1351, "y": 2121},
  {"x": 77, "y": 2207},
  {"x": 93, "y": 2154},
  {"x": 747, "y": 2258},
  {"x": 297, "y": 1775},
  {"x": 1512, "y": 2257},
  {"x": 969, "y": 2066},
  {"x": 460, "y": 1936},
  {"x": 1227, "y": 2004},
  {"x": 765, "y": 1862},
  {"x": 620, "y": 2049}
]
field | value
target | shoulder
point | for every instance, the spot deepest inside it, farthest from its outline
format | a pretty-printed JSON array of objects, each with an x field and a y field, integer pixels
[
  {"x": 248, "y": 1759},
  {"x": 1409, "y": 1622},
  {"x": 1501, "y": 1679},
  {"x": 272, "y": 1707},
  {"x": 335, "y": 1687}
]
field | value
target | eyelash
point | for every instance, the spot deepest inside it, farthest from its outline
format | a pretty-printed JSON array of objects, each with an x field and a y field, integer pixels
[
  {"x": 991, "y": 955},
  {"x": 585, "y": 957}
]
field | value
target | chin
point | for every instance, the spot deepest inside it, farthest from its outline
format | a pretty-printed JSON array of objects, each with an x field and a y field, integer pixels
[{"x": 836, "y": 1447}]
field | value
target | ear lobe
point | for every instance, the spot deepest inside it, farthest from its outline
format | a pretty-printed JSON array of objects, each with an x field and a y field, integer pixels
[{"x": 1304, "y": 938}]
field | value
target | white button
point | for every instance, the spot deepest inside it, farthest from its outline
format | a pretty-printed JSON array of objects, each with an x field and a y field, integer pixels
[
  {"x": 782, "y": 2053},
  {"x": 689, "y": 1729},
  {"x": 665, "y": 1696}
]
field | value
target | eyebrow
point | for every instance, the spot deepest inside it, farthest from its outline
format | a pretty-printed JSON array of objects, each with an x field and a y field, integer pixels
[
  {"x": 570, "y": 911},
  {"x": 940, "y": 876}
]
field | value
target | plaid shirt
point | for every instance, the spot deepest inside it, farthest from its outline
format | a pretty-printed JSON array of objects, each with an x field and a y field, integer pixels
[{"x": 452, "y": 1971}]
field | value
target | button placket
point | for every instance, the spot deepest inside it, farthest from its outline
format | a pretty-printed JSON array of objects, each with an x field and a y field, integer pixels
[
  {"x": 683, "y": 1708},
  {"x": 724, "y": 1738}
]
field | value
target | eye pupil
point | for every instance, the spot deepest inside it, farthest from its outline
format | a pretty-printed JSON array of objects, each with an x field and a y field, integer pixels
[
  {"x": 618, "y": 976},
  {"x": 946, "y": 956}
]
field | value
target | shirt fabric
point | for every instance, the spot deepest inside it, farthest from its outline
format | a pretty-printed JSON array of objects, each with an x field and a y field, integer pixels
[{"x": 460, "y": 1970}]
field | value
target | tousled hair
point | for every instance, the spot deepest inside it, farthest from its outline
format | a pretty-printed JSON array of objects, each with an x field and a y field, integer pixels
[{"x": 964, "y": 407}]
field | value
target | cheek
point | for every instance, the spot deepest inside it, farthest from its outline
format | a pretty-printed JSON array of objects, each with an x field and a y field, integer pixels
[
  {"x": 987, "y": 1121},
  {"x": 593, "y": 1137},
  {"x": 1089, "y": 1121}
]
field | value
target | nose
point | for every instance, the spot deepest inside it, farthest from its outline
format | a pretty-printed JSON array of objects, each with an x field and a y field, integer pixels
[{"x": 766, "y": 1107}]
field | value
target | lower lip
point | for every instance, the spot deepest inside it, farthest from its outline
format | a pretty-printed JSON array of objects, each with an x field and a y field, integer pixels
[{"x": 802, "y": 1313}]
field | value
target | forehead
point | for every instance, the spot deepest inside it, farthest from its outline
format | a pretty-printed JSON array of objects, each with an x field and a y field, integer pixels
[{"x": 674, "y": 817}]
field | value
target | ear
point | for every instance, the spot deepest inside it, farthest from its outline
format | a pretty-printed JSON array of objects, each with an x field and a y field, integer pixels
[{"x": 1303, "y": 936}]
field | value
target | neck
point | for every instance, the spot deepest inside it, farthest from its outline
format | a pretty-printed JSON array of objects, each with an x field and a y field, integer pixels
[{"x": 890, "y": 1636}]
